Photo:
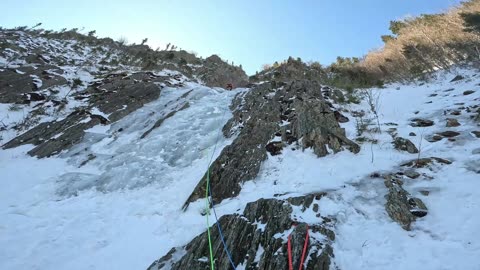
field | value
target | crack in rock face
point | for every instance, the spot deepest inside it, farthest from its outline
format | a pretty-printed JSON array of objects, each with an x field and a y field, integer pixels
[{"x": 293, "y": 114}]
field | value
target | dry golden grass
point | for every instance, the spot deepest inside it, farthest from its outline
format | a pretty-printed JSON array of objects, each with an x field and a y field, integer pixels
[{"x": 426, "y": 43}]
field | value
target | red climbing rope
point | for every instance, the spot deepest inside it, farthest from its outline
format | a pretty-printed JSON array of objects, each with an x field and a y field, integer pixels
[
  {"x": 305, "y": 246},
  {"x": 304, "y": 252},
  {"x": 290, "y": 264}
]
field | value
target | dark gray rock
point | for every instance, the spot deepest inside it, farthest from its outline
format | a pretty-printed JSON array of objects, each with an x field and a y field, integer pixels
[
  {"x": 32, "y": 96},
  {"x": 457, "y": 78},
  {"x": 425, "y": 192},
  {"x": 274, "y": 148},
  {"x": 468, "y": 92},
  {"x": 456, "y": 112},
  {"x": 118, "y": 95},
  {"x": 422, "y": 162},
  {"x": 452, "y": 122},
  {"x": 14, "y": 84},
  {"x": 114, "y": 95},
  {"x": 340, "y": 117},
  {"x": 295, "y": 69},
  {"x": 397, "y": 207},
  {"x": 434, "y": 138},
  {"x": 420, "y": 122},
  {"x": 260, "y": 227},
  {"x": 296, "y": 112},
  {"x": 448, "y": 134},
  {"x": 417, "y": 207},
  {"x": 411, "y": 174},
  {"x": 215, "y": 72},
  {"x": 400, "y": 205},
  {"x": 51, "y": 138},
  {"x": 405, "y": 145}
]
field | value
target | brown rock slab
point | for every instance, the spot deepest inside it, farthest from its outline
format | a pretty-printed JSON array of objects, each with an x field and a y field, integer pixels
[
  {"x": 425, "y": 192},
  {"x": 434, "y": 138},
  {"x": 405, "y": 145},
  {"x": 448, "y": 133},
  {"x": 256, "y": 226},
  {"x": 452, "y": 122},
  {"x": 420, "y": 122}
]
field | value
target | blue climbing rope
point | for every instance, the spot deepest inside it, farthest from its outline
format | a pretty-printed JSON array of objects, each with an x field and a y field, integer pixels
[
  {"x": 221, "y": 233},
  {"x": 225, "y": 248}
]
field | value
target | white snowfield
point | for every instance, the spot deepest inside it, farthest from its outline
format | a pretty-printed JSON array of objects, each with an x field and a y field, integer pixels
[{"x": 123, "y": 209}]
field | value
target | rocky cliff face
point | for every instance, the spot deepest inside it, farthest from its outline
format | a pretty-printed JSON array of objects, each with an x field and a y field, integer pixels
[
  {"x": 257, "y": 239},
  {"x": 289, "y": 111},
  {"x": 268, "y": 118},
  {"x": 73, "y": 81},
  {"x": 291, "y": 164},
  {"x": 116, "y": 95},
  {"x": 215, "y": 72}
]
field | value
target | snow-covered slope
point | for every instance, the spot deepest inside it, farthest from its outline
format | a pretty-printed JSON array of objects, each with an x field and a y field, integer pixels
[
  {"x": 122, "y": 210},
  {"x": 111, "y": 197}
]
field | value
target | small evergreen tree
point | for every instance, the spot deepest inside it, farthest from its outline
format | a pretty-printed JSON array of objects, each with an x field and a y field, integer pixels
[
  {"x": 396, "y": 26},
  {"x": 387, "y": 38}
]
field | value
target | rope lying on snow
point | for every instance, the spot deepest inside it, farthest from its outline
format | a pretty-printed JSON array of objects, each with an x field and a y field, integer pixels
[
  {"x": 208, "y": 201},
  {"x": 207, "y": 208},
  {"x": 221, "y": 235},
  {"x": 208, "y": 193},
  {"x": 289, "y": 247}
]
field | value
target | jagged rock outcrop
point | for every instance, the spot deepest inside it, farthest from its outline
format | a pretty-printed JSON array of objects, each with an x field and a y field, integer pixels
[
  {"x": 420, "y": 122},
  {"x": 296, "y": 114},
  {"x": 116, "y": 95},
  {"x": 422, "y": 162},
  {"x": 294, "y": 69},
  {"x": 257, "y": 239},
  {"x": 405, "y": 145},
  {"x": 15, "y": 83},
  {"x": 448, "y": 133},
  {"x": 457, "y": 78},
  {"x": 452, "y": 122},
  {"x": 215, "y": 72},
  {"x": 400, "y": 205},
  {"x": 58, "y": 48}
]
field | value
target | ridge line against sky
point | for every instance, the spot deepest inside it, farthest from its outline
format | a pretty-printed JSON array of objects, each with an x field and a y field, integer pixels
[{"x": 251, "y": 33}]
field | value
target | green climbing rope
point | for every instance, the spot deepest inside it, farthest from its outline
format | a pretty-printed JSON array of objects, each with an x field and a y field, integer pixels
[{"x": 207, "y": 208}]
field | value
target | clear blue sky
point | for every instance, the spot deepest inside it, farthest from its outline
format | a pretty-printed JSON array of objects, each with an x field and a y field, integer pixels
[{"x": 248, "y": 32}]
